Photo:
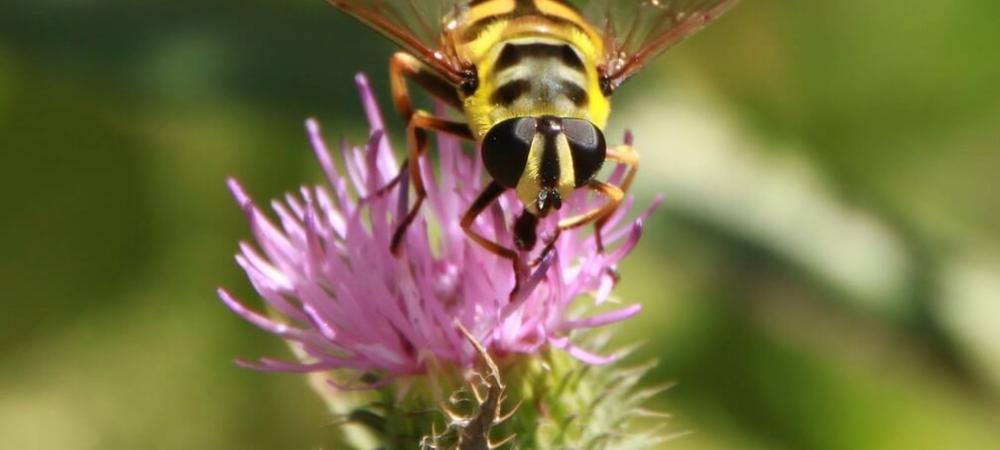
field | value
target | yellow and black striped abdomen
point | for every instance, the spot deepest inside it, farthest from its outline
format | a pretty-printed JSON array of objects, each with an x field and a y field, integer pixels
[
  {"x": 535, "y": 76},
  {"x": 533, "y": 58}
]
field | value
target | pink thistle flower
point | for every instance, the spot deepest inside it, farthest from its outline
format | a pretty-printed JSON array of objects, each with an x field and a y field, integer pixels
[{"x": 334, "y": 290}]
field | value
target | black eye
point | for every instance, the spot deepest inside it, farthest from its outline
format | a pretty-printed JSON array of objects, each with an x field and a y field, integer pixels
[
  {"x": 586, "y": 143},
  {"x": 505, "y": 149}
]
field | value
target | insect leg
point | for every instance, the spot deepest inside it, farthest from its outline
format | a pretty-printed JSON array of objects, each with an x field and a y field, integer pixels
[
  {"x": 416, "y": 145},
  {"x": 614, "y": 195},
  {"x": 402, "y": 67},
  {"x": 487, "y": 197},
  {"x": 623, "y": 154},
  {"x": 598, "y": 214}
]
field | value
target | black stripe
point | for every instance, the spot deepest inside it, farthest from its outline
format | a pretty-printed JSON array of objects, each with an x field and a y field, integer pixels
[
  {"x": 574, "y": 93},
  {"x": 569, "y": 57},
  {"x": 526, "y": 6},
  {"x": 512, "y": 54},
  {"x": 518, "y": 4},
  {"x": 521, "y": 8},
  {"x": 548, "y": 170},
  {"x": 510, "y": 92}
]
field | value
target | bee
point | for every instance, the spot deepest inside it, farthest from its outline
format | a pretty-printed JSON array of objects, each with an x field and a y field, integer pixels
[{"x": 533, "y": 79}]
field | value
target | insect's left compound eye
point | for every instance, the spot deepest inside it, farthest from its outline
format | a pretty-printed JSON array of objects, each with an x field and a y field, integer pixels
[
  {"x": 587, "y": 145},
  {"x": 506, "y": 147}
]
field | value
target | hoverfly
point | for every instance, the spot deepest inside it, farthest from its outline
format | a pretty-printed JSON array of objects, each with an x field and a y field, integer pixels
[{"x": 533, "y": 79}]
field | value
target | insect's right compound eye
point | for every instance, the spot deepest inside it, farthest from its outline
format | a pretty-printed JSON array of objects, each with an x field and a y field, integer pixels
[{"x": 505, "y": 149}]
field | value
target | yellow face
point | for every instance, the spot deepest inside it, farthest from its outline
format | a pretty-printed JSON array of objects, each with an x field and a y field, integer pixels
[
  {"x": 543, "y": 158},
  {"x": 535, "y": 190}
]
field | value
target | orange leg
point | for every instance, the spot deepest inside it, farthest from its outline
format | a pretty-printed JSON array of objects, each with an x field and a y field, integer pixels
[
  {"x": 402, "y": 67},
  {"x": 596, "y": 215},
  {"x": 623, "y": 154},
  {"x": 485, "y": 199},
  {"x": 416, "y": 132}
]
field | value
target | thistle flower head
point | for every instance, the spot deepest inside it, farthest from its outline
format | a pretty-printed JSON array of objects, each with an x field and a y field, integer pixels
[{"x": 334, "y": 290}]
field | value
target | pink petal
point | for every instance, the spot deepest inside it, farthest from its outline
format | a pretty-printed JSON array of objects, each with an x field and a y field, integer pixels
[{"x": 601, "y": 320}]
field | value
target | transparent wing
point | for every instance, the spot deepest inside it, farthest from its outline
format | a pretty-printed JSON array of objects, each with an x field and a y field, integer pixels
[
  {"x": 415, "y": 25},
  {"x": 636, "y": 31}
]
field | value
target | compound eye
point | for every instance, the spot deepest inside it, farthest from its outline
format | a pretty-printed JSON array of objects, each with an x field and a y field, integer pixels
[
  {"x": 587, "y": 145},
  {"x": 505, "y": 149}
]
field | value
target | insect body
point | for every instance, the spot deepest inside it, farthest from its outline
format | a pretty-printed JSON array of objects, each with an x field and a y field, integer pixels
[{"x": 533, "y": 79}]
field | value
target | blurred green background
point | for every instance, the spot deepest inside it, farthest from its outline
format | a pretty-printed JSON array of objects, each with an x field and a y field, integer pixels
[{"x": 825, "y": 273}]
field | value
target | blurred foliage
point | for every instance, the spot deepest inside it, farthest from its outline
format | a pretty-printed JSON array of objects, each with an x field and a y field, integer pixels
[{"x": 120, "y": 120}]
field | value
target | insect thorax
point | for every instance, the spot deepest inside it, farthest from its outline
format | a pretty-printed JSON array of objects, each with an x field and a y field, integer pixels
[{"x": 534, "y": 69}]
